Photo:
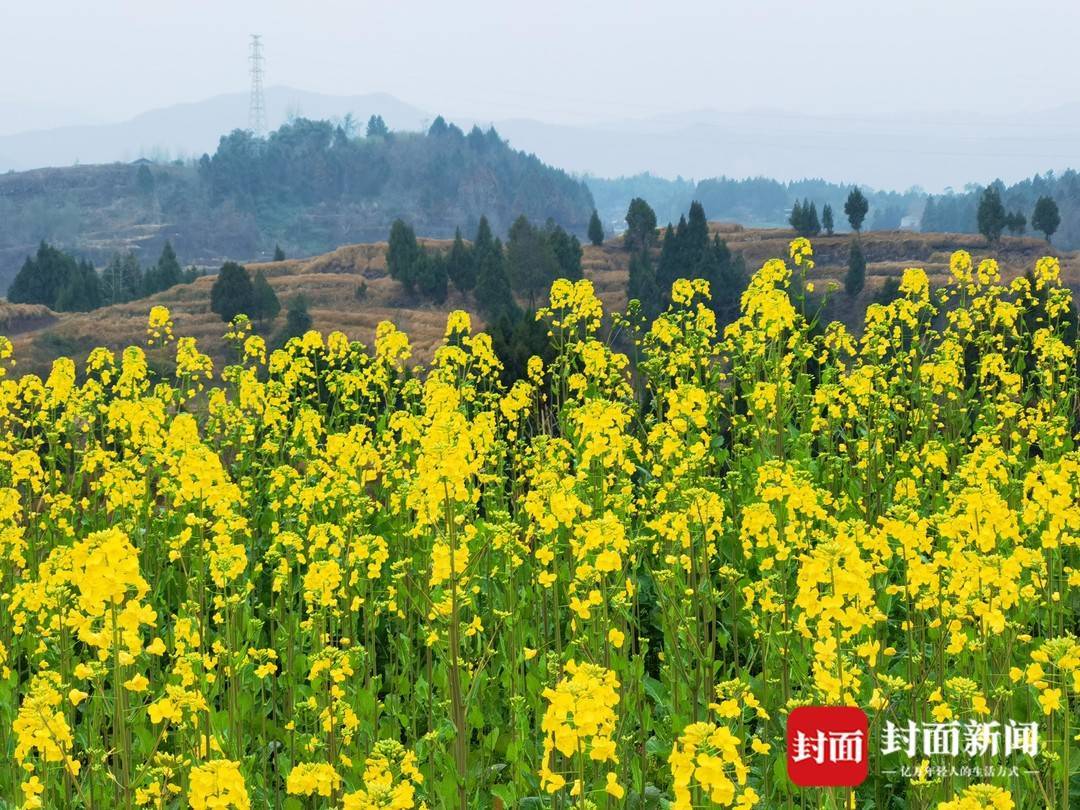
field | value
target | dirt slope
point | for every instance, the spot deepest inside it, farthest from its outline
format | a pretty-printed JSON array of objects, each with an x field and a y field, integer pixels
[{"x": 331, "y": 282}]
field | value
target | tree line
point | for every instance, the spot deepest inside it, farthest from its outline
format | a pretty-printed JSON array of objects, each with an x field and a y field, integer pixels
[
  {"x": 755, "y": 202},
  {"x": 531, "y": 259},
  {"x": 992, "y": 218},
  {"x": 686, "y": 251},
  {"x": 1048, "y": 203},
  {"x": 236, "y": 291},
  {"x": 804, "y": 216},
  {"x": 63, "y": 283}
]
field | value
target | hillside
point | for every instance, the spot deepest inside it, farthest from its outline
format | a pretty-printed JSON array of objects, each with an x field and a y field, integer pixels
[
  {"x": 330, "y": 282},
  {"x": 61, "y": 138},
  {"x": 309, "y": 186}
]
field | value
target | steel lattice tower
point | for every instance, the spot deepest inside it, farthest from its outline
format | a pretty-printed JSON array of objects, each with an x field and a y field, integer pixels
[{"x": 257, "y": 105}]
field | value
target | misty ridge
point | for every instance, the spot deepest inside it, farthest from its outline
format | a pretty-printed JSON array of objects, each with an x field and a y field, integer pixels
[
  {"x": 321, "y": 179},
  {"x": 883, "y": 151}
]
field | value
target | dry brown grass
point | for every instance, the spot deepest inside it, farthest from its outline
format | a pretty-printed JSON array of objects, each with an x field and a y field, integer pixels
[
  {"x": 330, "y": 282},
  {"x": 15, "y": 318}
]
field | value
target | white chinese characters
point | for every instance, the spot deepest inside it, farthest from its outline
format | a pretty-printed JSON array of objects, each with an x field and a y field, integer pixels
[
  {"x": 954, "y": 738},
  {"x": 829, "y": 746}
]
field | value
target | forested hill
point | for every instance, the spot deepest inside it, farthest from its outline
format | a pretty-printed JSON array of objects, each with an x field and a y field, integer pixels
[{"x": 309, "y": 186}]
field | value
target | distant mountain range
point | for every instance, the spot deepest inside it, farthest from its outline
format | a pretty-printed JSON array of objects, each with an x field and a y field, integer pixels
[
  {"x": 190, "y": 130},
  {"x": 308, "y": 187},
  {"x": 883, "y": 151}
]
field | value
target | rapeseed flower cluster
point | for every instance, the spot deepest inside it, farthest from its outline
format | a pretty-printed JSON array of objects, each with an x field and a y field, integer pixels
[{"x": 328, "y": 576}]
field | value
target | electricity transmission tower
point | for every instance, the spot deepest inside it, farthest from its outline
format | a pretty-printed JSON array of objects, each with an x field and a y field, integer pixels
[{"x": 257, "y": 105}]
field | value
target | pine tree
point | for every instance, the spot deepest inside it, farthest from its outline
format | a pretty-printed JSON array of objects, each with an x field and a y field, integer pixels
[
  {"x": 376, "y": 127},
  {"x": 82, "y": 292},
  {"x": 232, "y": 293},
  {"x": 132, "y": 283},
  {"x": 265, "y": 304},
  {"x": 730, "y": 282},
  {"x": 1046, "y": 217},
  {"x": 642, "y": 284},
  {"x": 430, "y": 273},
  {"x": 166, "y": 273},
  {"x": 640, "y": 225},
  {"x": 297, "y": 321},
  {"x": 493, "y": 293},
  {"x": 695, "y": 239},
  {"x": 797, "y": 219},
  {"x": 532, "y": 262},
  {"x": 279, "y": 254},
  {"x": 402, "y": 253},
  {"x": 42, "y": 277},
  {"x": 1015, "y": 223},
  {"x": 461, "y": 265},
  {"x": 567, "y": 251},
  {"x": 856, "y": 209},
  {"x": 813, "y": 225},
  {"x": 991, "y": 214},
  {"x": 856, "y": 272},
  {"x": 668, "y": 269},
  {"x": 929, "y": 219},
  {"x": 596, "y": 230},
  {"x": 827, "y": 219}
]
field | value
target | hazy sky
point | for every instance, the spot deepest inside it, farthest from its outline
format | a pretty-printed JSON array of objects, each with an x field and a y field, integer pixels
[{"x": 560, "y": 61}]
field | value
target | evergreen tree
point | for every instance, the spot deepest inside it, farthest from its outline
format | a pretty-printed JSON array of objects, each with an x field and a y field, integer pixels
[
  {"x": 640, "y": 225},
  {"x": 82, "y": 292},
  {"x": 827, "y": 219},
  {"x": 856, "y": 209},
  {"x": 132, "y": 283},
  {"x": 567, "y": 251},
  {"x": 461, "y": 265},
  {"x": 402, "y": 253},
  {"x": 430, "y": 274},
  {"x": 438, "y": 127},
  {"x": 279, "y": 254},
  {"x": 1015, "y": 223},
  {"x": 485, "y": 240},
  {"x": 517, "y": 337},
  {"x": 682, "y": 261},
  {"x": 376, "y": 127},
  {"x": 297, "y": 320},
  {"x": 166, "y": 273},
  {"x": 813, "y": 225},
  {"x": 1046, "y": 217},
  {"x": 596, "y": 229},
  {"x": 265, "y": 304},
  {"x": 856, "y": 272},
  {"x": 493, "y": 292},
  {"x": 232, "y": 293},
  {"x": 730, "y": 282},
  {"x": 797, "y": 219},
  {"x": 642, "y": 284},
  {"x": 55, "y": 279},
  {"x": 668, "y": 269},
  {"x": 532, "y": 262},
  {"x": 42, "y": 277},
  {"x": 991, "y": 214},
  {"x": 695, "y": 240},
  {"x": 929, "y": 220}
]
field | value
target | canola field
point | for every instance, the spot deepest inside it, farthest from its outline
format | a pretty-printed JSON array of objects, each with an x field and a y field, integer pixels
[{"x": 327, "y": 577}]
